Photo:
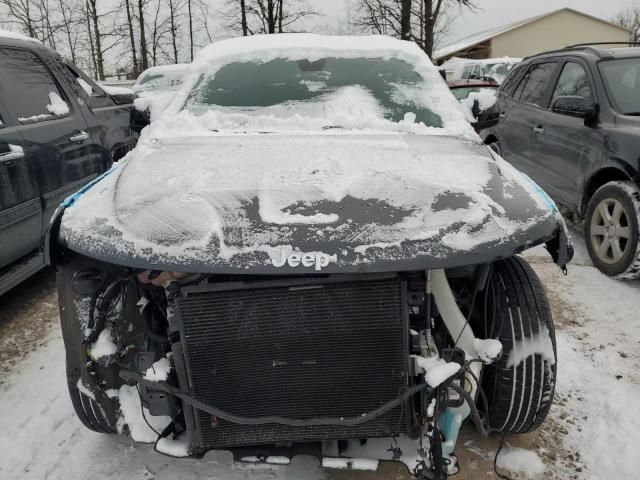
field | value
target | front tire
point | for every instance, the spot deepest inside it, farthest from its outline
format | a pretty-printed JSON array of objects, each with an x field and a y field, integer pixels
[
  {"x": 611, "y": 229},
  {"x": 97, "y": 410},
  {"x": 520, "y": 385},
  {"x": 90, "y": 411}
]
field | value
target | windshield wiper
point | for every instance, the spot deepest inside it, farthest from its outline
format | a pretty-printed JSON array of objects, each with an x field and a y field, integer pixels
[
  {"x": 633, "y": 114},
  {"x": 331, "y": 127}
]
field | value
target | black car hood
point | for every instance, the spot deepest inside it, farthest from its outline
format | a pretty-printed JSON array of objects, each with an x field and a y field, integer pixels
[{"x": 272, "y": 204}]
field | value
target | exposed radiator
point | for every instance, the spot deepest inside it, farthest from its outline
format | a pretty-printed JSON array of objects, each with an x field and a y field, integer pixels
[{"x": 327, "y": 349}]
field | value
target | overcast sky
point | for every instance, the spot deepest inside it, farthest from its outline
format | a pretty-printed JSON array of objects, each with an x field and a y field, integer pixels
[{"x": 492, "y": 13}]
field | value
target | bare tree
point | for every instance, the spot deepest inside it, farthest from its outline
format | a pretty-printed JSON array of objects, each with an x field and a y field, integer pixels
[
  {"x": 204, "y": 16},
  {"x": 243, "y": 18},
  {"x": 629, "y": 18},
  {"x": 405, "y": 19},
  {"x": 132, "y": 39},
  {"x": 24, "y": 14},
  {"x": 158, "y": 31},
  {"x": 190, "y": 30},
  {"x": 265, "y": 16},
  {"x": 143, "y": 37},
  {"x": 174, "y": 8},
  {"x": 93, "y": 18},
  {"x": 417, "y": 20},
  {"x": 70, "y": 21}
]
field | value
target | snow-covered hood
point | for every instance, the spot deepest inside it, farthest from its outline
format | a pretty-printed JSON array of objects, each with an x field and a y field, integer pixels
[{"x": 349, "y": 202}]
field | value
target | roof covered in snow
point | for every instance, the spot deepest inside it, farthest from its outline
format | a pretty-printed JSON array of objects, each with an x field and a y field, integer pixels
[
  {"x": 161, "y": 69},
  {"x": 305, "y": 45},
  {"x": 16, "y": 36},
  {"x": 486, "y": 35}
]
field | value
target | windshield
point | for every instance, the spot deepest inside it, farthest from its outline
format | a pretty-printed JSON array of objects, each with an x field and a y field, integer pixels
[
  {"x": 333, "y": 92},
  {"x": 497, "y": 71},
  {"x": 158, "y": 81},
  {"x": 622, "y": 81}
]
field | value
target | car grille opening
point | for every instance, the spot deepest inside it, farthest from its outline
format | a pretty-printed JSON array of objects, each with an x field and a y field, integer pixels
[{"x": 297, "y": 350}]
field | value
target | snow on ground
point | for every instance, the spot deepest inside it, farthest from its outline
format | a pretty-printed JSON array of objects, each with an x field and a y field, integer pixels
[{"x": 595, "y": 411}]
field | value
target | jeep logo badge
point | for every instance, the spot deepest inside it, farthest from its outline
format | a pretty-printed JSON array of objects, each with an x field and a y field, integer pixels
[{"x": 318, "y": 260}]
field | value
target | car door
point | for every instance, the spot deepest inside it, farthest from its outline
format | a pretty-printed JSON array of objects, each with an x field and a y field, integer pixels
[
  {"x": 561, "y": 143},
  {"x": 111, "y": 124},
  {"x": 20, "y": 208},
  {"x": 54, "y": 134},
  {"x": 517, "y": 127}
]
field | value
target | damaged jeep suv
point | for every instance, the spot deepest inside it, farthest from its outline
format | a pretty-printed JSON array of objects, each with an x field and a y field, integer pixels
[{"x": 309, "y": 248}]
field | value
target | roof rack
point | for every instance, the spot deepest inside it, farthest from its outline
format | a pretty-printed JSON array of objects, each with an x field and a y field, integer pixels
[
  {"x": 590, "y": 44},
  {"x": 586, "y": 47}
]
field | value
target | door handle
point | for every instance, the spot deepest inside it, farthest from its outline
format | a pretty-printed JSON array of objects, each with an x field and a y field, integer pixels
[
  {"x": 78, "y": 137},
  {"x": 15, "y": 153},
  {"x": 503, "y": 114},
  {"x": 539, "y": 129}
]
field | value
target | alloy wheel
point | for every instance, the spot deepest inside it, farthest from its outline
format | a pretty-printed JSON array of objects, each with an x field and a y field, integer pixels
[{"x": 610, "y": 231}]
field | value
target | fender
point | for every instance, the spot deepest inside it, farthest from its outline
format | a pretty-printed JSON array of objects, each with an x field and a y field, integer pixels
[{"x": 50, "y": 238}]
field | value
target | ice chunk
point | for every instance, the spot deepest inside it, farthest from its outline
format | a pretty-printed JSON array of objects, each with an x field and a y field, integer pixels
[
  {"x": 159, "y": 371},
  {"x": 57, "y": 106},
  {"x": 104, "y": 346},
  {"x": 132, "y": 416},
  {"x": 350, "y": 463},
  {"x": 436, "y": 369},
  {"x": 522, "y": 461},
  {"x": 538, "y": 344},
  {"x": 488, "y": 350},
  {"x": 84, "y": 390},
  {"x": 85, "y": 86},
  {"x": 178, "y": 447},
  {"x": 486, "y": 98}
]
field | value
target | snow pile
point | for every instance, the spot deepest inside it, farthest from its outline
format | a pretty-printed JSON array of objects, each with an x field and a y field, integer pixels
[
  {"x": 112, "y": 90},
  {"x": 104, "y": 346},
  {"x": 17, "y": 36},
  {"x": 57, "y": 106},
  {"x": 538, "y": 344},
  {"x": 84, "y": 390},
  {"x": 162, "y": 77},
  {"x": 350, "y": 463},
  {"x": 159, "y": 371},
  {"x": 178, "y": 447},
  {"x": 154, "y": 102},
  {"x": 132, "y": 417},
  {"x": 85, "y": 86},
  {"x": 436, "y": 369},
  {"x": 488, "y": 350},
  {"x": 486, "y": 98},
  {"x": 524, "y": 462},
  {"x": 349, "y": 107}
]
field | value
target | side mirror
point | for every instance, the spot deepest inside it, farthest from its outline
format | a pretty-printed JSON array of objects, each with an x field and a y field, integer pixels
[
  {"x": 123, "y": 98},
  {"x": 475, "y": 108},
  {"x": 576, "y": 106}
]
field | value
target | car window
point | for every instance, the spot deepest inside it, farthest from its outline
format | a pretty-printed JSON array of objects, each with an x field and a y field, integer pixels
[
  {"x": 534, "y": 83},
  {"x": 573, "y": 82},
  {"x": 622, "y": 81},
  {"x": 89, "y": 91},
  {"x": 466, "y": 72},
  {"x": 28, "y": 89},
  {"x": 511, "y": 79}
]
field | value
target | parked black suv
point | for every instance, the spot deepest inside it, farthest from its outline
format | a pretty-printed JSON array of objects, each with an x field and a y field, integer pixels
[
  {"x": 570, "y": 119},
  {"x": 58, "y": 131}
]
